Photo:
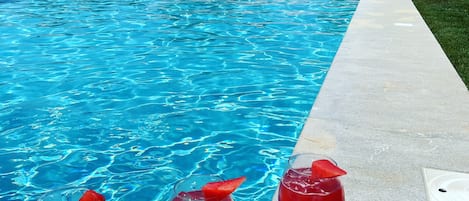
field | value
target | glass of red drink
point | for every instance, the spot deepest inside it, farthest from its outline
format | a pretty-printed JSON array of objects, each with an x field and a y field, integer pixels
[
  {"x": 298, "y": 184},
  {"x": 190, "y": 188}
]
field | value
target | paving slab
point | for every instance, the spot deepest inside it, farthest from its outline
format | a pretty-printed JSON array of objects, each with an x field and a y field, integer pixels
[{"x": 391, "y": 105}]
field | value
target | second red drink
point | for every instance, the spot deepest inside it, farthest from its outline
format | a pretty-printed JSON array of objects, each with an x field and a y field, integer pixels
[{"x": 300, "y": 183}]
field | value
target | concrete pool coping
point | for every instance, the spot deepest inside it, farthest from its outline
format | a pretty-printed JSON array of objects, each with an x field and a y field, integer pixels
[{"x": 391, "y": 105}]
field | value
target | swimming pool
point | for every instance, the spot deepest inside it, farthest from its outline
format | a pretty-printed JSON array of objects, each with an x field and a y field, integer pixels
[{"x": 128, "y": 96}]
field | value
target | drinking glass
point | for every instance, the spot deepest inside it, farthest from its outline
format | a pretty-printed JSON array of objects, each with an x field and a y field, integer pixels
[
  {"x": 190, "y": 188},
  {"x": 64, "y": 194},
  {"x": 298, "y": 185}
]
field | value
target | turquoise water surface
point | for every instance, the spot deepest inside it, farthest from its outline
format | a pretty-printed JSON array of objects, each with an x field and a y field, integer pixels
[{"x": 126, "y": 97}]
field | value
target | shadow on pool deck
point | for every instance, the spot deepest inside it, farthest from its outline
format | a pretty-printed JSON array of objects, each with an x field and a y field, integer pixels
[{"x": 391, "y": 105}]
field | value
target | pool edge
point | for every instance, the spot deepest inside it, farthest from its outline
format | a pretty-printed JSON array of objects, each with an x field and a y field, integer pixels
[{"x": 390, "y": 105}]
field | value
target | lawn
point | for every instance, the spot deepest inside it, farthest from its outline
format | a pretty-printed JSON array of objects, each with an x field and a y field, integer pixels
[{"x": 449, "y": 22}]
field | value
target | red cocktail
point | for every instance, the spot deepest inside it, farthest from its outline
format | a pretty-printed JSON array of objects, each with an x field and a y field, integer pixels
[
  {"x": 193, "y": 196},
  {"x": 206, "y": 188},
  {"x": 299, "y": 182}
]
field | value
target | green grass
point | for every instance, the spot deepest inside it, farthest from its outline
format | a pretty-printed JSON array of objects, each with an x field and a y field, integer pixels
[{"x": 449, "y": 22}]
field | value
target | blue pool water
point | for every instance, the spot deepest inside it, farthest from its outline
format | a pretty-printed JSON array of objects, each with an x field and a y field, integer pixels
[{"x": 128, "y": 96}]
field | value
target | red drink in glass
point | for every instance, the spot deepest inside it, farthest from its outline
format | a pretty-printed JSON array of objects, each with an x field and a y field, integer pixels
[
  {"x": 298, "y": 184},
  {"x": 194, "y": 195}
]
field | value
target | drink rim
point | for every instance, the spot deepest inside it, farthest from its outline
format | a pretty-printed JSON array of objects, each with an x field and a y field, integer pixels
[
  {"x": 180, "y": 181},
  {"x": 313, "y": 156}
]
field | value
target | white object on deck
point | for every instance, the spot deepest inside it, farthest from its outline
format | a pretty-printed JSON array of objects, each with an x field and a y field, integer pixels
[{"x": 442, "y": 185}]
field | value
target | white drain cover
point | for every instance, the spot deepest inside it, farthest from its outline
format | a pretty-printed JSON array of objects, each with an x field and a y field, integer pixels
[{"x": 444, "y": 185}]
